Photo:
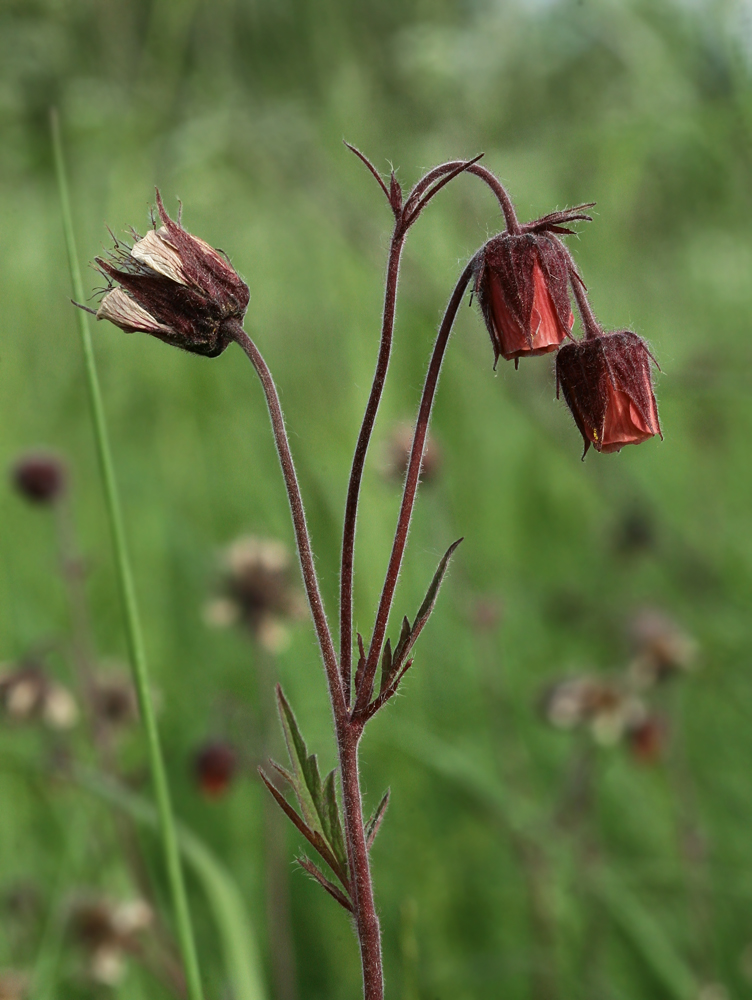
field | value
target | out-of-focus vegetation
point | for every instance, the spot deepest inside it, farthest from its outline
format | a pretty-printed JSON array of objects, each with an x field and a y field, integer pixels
[{"x": 515, "y": 860}]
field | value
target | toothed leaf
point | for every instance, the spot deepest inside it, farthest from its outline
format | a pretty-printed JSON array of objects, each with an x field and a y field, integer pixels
[
  {"x": 331, "y": 819},
  {"x": 305, "y": 768},
  {"x": 403, "y": 640},
  {"x": 386, "y": 666}
]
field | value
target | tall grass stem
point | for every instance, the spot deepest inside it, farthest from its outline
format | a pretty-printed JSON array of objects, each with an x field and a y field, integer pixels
[{"x": 128, "y": 596}]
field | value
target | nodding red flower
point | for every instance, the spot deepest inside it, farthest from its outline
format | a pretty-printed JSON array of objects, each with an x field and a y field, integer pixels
[
  {"x": 607, "y": 384},
  {"x": 39, "y": 478},
  {"x": 522, "y": 284},
  {"x": 175, "y": 287},
  {"x": 215, "y": 764}
]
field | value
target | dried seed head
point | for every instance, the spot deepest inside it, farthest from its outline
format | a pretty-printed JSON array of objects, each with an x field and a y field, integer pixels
[
  {"x": 214, "y": 767},
  {"x": 607, "y": 384},
  {"x": 39, "y": 478},
  {"x": 175, "y": 287}
]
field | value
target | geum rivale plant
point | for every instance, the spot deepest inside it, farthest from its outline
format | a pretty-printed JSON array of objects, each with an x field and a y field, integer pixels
[{"x": 176, "y": 287}]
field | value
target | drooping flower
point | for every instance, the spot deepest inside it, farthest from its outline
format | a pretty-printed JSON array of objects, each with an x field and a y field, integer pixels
[
  {"x": 607, "y": 384},
  {"x": 175, "y": 287},
  {"x": 522, "y": 284}
]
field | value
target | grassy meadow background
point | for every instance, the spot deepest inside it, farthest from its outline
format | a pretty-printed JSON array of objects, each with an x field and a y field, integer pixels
[{"x": 238, "y": 108}]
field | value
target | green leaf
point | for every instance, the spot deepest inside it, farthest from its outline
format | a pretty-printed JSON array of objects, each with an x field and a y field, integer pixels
[
  {"x": 332, "y": 819},
  {"x": 429, "y": 601},
  {"x": 305, "y": 768},
  {"x": 374, "y": 823},
  {"x": 386, "y": 666}
]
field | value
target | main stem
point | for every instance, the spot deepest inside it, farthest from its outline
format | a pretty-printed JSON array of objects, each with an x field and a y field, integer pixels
[
  {"x": 366, "y": 919},
  {"x": 130, "y": 607},
  {"x": 359, "y": 458},
  {"x": 411, "y": 480}
]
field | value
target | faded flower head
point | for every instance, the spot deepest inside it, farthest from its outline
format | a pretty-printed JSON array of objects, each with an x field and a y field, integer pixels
[
  {"x": 214, "y": 767},
  {"x": 522, "y": 284},
  {"x": 257, "y": 590},
  {"x": 398, "y": 450},
  {"x": 28, "y": 694},
  {"x": 607, "y": 384},
  {"x": 662, "y": 649},
  {"x": 39, "y": 477},
  {"x": 107, "y": 931},
  {"x": 175, "y": 287},
  {"x": 598, "y": 704}
]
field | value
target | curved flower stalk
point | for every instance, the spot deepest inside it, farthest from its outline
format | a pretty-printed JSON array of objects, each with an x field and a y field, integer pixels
[{"x": 175, "y": 287}]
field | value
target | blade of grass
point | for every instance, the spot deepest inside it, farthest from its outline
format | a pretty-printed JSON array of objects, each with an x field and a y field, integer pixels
[
  {"x": 128, "y": 596},
  {"x": 230, "y": 915}
]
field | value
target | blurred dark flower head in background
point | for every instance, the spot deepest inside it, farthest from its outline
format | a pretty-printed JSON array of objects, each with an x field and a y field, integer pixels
[
  {"x": 258, "y": 591},
  {"x": 607, "y": 384},
  {"x": 114, "y": 700},
  {"x": 602, "y": 705},
  {"x": 39, "y": 477},
  {"x": 29, "y": 694},
  {"x": 175, "y": 287},
  {"x": 662, "y": 649},
  {"x": 397, "y": 456},
  {"x": 214, "y": 767},
  {"x": 107, "y": 931}
]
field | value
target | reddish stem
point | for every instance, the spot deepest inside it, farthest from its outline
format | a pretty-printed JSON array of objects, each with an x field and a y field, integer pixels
[
  {"x": 305, "y": 552},
  {"x": 590, "y": 324},
  {"x": 361, "y": 886},
  {"x": 411, "y": 488},
  {"x": 359, "y": 458}
]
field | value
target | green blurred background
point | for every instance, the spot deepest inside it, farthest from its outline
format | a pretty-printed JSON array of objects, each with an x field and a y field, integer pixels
[{"x": 238, "y": 108}]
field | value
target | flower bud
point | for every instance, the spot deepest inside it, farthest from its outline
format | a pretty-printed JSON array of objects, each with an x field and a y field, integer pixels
[
  {"x": 607, "y": 384},
  {"x": 39, "y": 478},
  {"x": 522, "y": 288},
  {"x": 175, "y": 287}
]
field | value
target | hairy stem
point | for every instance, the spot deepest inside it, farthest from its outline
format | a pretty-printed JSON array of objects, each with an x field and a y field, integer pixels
[
  {"x": 411, "y": 485},
  {"x": 590, "y": 324},
  {"x": 366, "y": 919},
  {"x": 130, "y": 607},
  {"x": 359, "y": 458},
  {"x": 305, "y": 553}
]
